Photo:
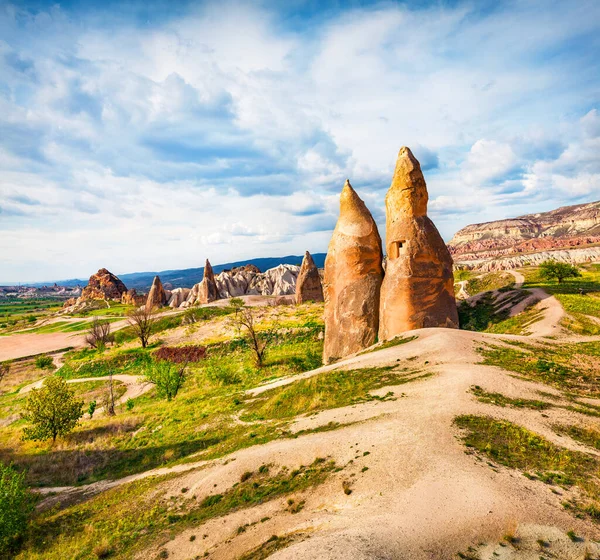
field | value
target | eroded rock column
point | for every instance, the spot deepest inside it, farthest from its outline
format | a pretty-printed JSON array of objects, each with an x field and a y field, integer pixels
[
  {"x": 418, "y": 288},
  {"x": 308, "y": 284},
  {"x": 352, "y": 281}
]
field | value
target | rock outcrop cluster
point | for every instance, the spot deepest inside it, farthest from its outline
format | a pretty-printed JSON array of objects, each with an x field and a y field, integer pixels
[
  {"x": 157, "y": 297},
  {"x": 570, "y": 228},
  {"x": 240, "y": 281},
  {"x": 353, "y": 275},
  {"x": 131, "y": 297},
  {"x": 417, "y": 289},
  {"x": 308, "y": 284},
  {"x": 103, "y": 285}
]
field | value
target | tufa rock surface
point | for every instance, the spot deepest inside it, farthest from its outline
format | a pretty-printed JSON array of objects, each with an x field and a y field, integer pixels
[
  {"x": 417, "y": 291},
  {"x": 352, "y": 282},
  {"x": 103, "y": 285},
  {"x": 308, "y": 284},
  {"x": 131, "y": 297},
  {"x": 207, "y": 289},
  {"x": 156, "y": 296},
  {"x": 178, "y": 296}
]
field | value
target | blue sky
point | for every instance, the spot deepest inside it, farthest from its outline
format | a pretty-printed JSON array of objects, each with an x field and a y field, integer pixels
[{"x": 152, "y": 135}]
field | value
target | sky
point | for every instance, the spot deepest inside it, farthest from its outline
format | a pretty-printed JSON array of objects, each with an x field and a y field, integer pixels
[{"x": 150, "y": 135}]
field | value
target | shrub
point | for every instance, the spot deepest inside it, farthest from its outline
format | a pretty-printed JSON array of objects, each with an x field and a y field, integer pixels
[
  {"x": 92, "y": 409},
  {"x": 129, "y": 404},
  {"x": 53, "y": 410},
  {"x": 222, "y": 373},
  {"x": 44, "y": 362},
  {"x": 16, "y": 504},
  {"x": 167, "y": 378}
]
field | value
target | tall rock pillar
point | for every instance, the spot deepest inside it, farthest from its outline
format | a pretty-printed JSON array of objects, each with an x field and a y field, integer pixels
[
  {"x": 308, "y": 284},
  {"x": 352, "y": 282},
  {"x": 418, "y": 288},
  {"x": 157, "y": 296},
  {"x": 207, "y": 289}
]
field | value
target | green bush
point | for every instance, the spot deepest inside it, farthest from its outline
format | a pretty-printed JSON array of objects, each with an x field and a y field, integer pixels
[
  {"x": 44, "y": 362},
  {"x": 16, "y": 504},
  {"x": 167, "y": 377}
]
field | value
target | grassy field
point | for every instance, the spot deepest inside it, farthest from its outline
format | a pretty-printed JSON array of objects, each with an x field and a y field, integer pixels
[{"x": 16, "y": 313}]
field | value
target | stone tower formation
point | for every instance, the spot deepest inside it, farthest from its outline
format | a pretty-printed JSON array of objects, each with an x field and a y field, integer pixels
[
  {"x": 417, "y": 290},
  {"x": 353, "y": 274}
]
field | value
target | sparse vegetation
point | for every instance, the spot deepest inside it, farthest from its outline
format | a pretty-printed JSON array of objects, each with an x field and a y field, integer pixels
[
  {"x": 98, "y": 335},
  {"x": 501, "y": 400}
]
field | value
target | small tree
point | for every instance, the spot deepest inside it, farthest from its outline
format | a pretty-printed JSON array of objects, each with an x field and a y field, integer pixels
[
  {"x": 44, "y": 362},
  {"x": 98, "y": 334},
  {"x": 553, "y": 270},
  {"x": 92, "y": 408},
  {"x": 142, "y": 321},
  {"x": 53, "y": 410},
  {"x": 167, "y": 377},
  {"x": 16, "y": 504},
  {"x": 244, "y": 319}
]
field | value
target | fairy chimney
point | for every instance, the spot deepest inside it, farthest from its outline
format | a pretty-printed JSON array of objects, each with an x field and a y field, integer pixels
[
  {"x": 207, "y": 289},
  {"x": 156, "y": 296},
  {"x": 308, "y": 284},
  {"x": 352, "y": 282},
  {"x": 417, "y": 290}
]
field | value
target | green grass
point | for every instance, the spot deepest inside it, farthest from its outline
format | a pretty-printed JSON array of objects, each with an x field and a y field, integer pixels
[
  {"x": 332, "y": 389},
  {"x": 587, "y": 436},
  {"x": 499, "y": 399},
  {"x": 488, "y": 282},
  {"x": 140, "y": 514},
  {"x": 513, "y": 446},
  {"x": 397, "y": 341},
  {"x": 491, "y": 314},
  {"x": 569, "y": 367}
]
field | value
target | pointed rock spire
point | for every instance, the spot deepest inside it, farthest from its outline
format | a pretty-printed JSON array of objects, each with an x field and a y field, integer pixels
[
  {"x": 418, "y": 288},
  {"x": 156, "y": 296},
  {"x": 207, "y": 289},
  {"x": 308, "y": 284},
  {"x": 352, "y": 281}
]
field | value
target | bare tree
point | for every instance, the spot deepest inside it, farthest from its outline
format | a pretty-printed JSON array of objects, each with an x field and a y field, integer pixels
[
  {"x": 109, "y": 397},
  {"x": 244, "y": 319},
  {"x": 98, "y": 334},
  {"x": 142, "y": 321},
  {"x": 4, "y": 369}
]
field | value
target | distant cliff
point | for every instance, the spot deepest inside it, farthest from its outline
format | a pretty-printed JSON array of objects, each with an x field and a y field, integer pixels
[{"x": 570, "y": 233}]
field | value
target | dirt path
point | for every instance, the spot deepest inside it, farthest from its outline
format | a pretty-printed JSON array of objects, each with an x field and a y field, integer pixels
[
  {"x": 462, "y": 292},
  {"x": 135, "y": 385}
]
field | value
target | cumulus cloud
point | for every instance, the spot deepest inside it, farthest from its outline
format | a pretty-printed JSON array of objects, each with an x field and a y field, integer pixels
[{"x": 221, "y": 130}]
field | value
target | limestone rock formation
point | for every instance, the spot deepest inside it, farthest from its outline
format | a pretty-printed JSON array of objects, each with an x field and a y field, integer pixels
[
  {"x": 207, "y": 289},
  {"x": 156, "y": 296},
  {"x": 246, "y": 280},
  {"x": 417, "y": 290},
  {"x": 308, "y": 284},
  {"x": 178, "y": 296},
  {"x": 103, "y": 285},
  {"x": 352, "y": 282},
  {"x": 131, "y": 297}
]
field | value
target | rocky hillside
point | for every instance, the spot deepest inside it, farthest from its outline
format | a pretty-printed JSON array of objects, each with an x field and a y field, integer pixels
[{"x": 572, "y": 232}]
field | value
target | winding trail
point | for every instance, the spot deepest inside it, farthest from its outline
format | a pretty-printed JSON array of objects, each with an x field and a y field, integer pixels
[{"x": 135, "y": 385}]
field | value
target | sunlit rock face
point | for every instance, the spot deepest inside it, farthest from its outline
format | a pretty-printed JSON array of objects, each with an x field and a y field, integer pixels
[
  {"x": 352, "y": 281},
  {"x": 157, "y": 296},
  {"x": 308, "y": 284},
  {"x": 417, "y": 290}
]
